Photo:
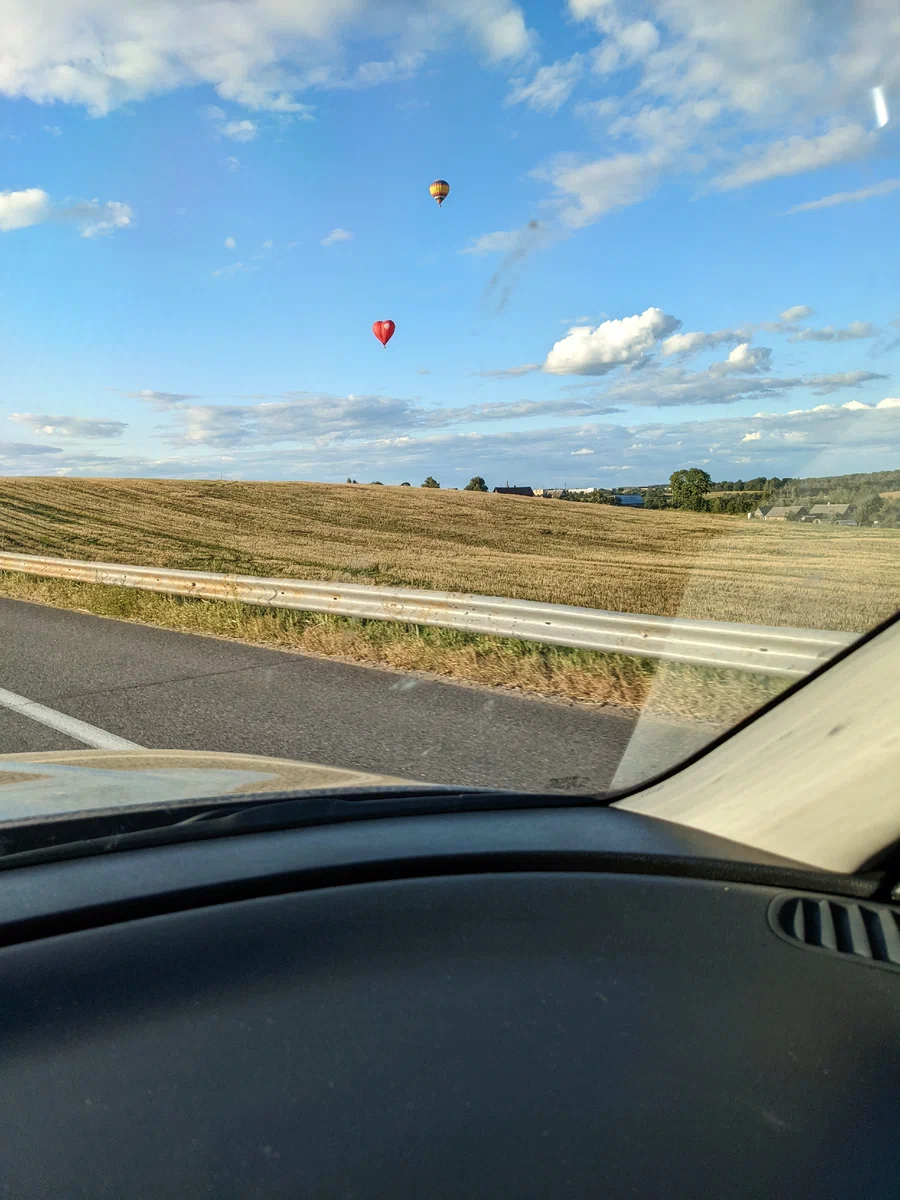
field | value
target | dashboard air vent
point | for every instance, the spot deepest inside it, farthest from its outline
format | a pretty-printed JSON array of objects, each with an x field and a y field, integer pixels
[{"x": 867, "y": 932}]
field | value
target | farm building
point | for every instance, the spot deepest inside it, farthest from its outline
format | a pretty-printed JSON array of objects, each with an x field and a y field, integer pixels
[
  {"x": 778, "y": 512},
  {"x": 840, "y": 514}
]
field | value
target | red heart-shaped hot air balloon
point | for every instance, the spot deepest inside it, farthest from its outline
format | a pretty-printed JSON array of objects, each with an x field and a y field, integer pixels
[{"x": 384, "y": 331}]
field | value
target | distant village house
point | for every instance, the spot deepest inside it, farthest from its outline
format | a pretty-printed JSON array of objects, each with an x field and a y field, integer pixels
[
  {"x": 778, "y": 512},
  {"x": 837, "y": 514}
]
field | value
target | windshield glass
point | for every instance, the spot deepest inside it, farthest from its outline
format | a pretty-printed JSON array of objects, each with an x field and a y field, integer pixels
[{"x": 517, "y": 379}]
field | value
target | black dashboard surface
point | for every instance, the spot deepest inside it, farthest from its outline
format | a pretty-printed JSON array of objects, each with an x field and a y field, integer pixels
[{"x": 479, "y": 1030}]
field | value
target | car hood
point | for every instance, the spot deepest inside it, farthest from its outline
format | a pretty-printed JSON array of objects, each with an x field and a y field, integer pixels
[{"x": 37, "y": 786}]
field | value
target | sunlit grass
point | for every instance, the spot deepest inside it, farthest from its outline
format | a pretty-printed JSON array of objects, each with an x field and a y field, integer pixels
[
  {"x": 621, "y": 559},
  {"x": 574, "y": 675}
]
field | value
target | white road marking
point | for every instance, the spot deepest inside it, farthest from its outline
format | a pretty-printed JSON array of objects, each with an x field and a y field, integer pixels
[{"x": 79, "y": 731}]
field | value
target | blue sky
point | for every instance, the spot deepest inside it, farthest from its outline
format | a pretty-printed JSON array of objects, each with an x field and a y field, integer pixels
[{"x": 671, "y": 239}]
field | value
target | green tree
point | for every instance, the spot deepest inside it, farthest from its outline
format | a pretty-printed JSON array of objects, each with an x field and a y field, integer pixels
[
  {"x": 869, "y": 508},
  {"x": 476, "y": 484},
  {"x": 689, "y": 489},
  {"x": 431, "y": 482},
  {"x": 655, "y": 497},
  {"x": 377, "y": 483},
  {"x": 405, "y": 484}
]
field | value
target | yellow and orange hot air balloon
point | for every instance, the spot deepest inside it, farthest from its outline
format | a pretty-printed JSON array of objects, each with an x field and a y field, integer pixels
[{"x": 440, "y": 190}]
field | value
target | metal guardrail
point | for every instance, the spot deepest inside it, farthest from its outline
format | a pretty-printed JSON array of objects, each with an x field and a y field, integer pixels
[{"x": 767, "y": 650}]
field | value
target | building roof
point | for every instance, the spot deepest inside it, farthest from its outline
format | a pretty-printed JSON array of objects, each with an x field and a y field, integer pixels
[
  {"x": 830, "y": 510},
  {"x": 784, "y": 510},
  {"x": 514, "y": 491}
]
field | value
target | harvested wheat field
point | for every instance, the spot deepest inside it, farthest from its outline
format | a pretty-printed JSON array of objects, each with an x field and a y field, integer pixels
[{"x": 627, "y": 560}]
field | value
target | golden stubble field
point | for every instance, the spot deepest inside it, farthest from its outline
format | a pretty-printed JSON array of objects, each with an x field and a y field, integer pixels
[{"x": 667, "y": 563}]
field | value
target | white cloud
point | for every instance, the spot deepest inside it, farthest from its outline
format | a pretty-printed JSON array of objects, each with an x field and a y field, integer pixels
[
  {"x": 232, "y": 269},
  {"x": 673, "y": 387},
  {"x": 690, "y": 343},
  {"x": 500, "y": 242},
  {"x": 798, "y": 313},
  {"x": 744, "y": 359},
  {"x": 55, "y": 426},
  {"x": 587, "y": 351},
  {"x": 889, "y": 402},
  {"x": 230, "y": 243},
  {"x": 792, "y": 155},
  {"x": 101, "y": 54},
  {"x": 96, "y": 219},
  {"x": 551, "y": 86},
  {"x": 233, "y": 164},
  {"x": 336, "y": 235},
  {"x": 162, "y": 401},
  {"x": 749, "y": 92},
  {"x": 866, "y": 193},
  {"x": 53, "y": 130},
  {"x": 240, "y": 131},
  {"x": 510, "y": 372},
  {"x": 587, "y": 191},
  {"x": 583, "y": 450},
  {"x": 32, "y": 206},
  {"x": 854, "y": 331},
  {"x": 18, "y": 210},
  {"x": 268, "y": 244},
  {"x": 825, "y": 439}
]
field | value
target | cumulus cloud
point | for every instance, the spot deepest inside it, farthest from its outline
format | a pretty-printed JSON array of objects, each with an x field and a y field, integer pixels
[
  {"x": 744, "y": 359},
  {"x": 101, "y": 54},
  {"x": 93, "y": 218},
  {"x": 65, "y": 426},
  {"x": 230, "y": 243},
  {"x": 587, "y": 351},
  {"x": 336, "y": 235},
  {"x": 799, "y": 312},
  {"x": 854, "y": 331},
  {"x": 240, "y": 131},
  {"x": 96, "y": 219},
  {"x": 551, "y": 86},
  {"x": 18, "y": 210},
  {"x": 691, "y": 343},
  {"x": 866, "y": 193}
]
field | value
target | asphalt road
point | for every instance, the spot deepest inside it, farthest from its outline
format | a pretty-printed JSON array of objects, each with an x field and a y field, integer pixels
[{"x": 170, "y": 690}]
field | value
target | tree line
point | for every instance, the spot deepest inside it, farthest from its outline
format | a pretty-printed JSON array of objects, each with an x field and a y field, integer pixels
[{"x": 691, "y": 488}]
